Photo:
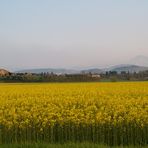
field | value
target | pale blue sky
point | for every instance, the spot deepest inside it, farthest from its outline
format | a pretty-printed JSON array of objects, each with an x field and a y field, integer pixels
[{"x": 71, "y": 33}]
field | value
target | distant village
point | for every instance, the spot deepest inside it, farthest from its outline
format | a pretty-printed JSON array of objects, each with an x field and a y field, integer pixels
[{"x": 112, "y": 76}]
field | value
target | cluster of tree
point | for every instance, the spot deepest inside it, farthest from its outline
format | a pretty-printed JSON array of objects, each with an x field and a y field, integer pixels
[
  {"x": 48, "y": 77},
  {"x": 84, "y": 77},
  {"x": 125, "y": 76}
]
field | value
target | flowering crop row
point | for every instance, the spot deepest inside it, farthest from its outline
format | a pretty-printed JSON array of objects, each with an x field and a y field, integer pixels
[{"x": 109, "y": 113}]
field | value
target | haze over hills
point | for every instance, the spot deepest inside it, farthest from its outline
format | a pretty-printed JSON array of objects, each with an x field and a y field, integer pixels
[
  {"x": 137, "y": 64},
  {"x": 139, "y": 60},
  {"x": 118, "y": 69},
  {"x": 45, "y": 70},
  {"x": 130, "y": 68}
]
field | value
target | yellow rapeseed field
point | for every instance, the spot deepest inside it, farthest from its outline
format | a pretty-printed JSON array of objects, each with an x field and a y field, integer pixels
[{"x": 110, "y": 113}]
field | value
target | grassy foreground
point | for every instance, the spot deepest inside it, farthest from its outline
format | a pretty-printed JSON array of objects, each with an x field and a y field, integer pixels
[{"x": 68, "y": 145}]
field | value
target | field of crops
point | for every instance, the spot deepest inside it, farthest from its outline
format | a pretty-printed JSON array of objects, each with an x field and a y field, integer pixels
[{"x": 103, "y": 113}]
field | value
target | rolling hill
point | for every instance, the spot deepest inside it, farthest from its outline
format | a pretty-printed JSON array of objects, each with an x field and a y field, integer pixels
[
  {"x": 45, "y": 70},
  {"x": 129, "y": 68}
]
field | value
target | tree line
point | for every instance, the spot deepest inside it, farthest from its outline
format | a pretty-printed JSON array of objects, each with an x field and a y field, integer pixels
[
  {"x": 82, "y": 77},
  {"x": 48, "y": 77}
]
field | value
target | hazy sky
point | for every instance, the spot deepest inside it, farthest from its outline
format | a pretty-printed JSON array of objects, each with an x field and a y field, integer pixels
[{"x": 71, "y": 33}]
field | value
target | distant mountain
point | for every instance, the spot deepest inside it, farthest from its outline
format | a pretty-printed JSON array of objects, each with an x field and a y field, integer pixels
[
  {"x": 45, "y": 70},
  {"x": 139, "y": 60},
  {"x": 139, "y": 63},
  {"x": 129, "y": 68},
  {"x": 118, "y": 69}
]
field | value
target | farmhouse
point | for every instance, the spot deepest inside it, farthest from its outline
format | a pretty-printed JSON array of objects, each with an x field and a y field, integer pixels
[{"x": 95, "y": 76}]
